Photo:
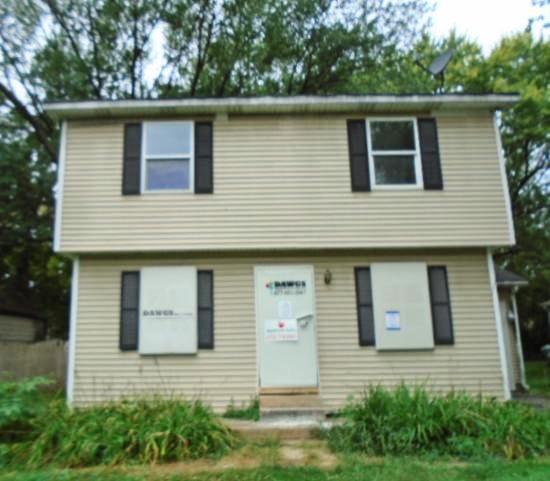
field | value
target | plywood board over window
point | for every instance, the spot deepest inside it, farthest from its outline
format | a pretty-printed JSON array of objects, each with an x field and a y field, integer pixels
[{"x": 401, "y": 299}]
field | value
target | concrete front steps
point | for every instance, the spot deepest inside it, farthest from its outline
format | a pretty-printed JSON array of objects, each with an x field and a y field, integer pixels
[
  {"x": 295, "y": 414},
  {"x": 291, "y": 404}
]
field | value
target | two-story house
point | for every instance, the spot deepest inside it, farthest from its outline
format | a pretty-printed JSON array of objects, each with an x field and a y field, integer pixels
[{"x": 234, "y": 247}]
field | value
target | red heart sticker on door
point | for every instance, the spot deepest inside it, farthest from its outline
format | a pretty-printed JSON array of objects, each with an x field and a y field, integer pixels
[{"x": 281, "y": 325}]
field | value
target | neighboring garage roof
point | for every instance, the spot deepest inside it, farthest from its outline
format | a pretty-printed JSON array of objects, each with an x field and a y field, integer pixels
[
  {"x": 508, "y": 278},
  {"x": 18, "y": 309},
  {"x": 280, "y": 105}
]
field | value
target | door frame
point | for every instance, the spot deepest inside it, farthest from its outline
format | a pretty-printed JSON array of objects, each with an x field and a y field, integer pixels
[{"x": 259, "y": 331}]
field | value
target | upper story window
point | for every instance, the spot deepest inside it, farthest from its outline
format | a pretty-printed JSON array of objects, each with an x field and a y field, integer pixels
[
  {"x": 394, "y": 157},
  {"x": 167, "y": 156}
]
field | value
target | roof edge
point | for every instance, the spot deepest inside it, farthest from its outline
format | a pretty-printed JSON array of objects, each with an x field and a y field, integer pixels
[{"x": 274, "y": 104}]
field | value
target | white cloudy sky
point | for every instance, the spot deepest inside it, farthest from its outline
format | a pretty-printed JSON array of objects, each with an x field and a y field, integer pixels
[{"x": 484, "y": 20}]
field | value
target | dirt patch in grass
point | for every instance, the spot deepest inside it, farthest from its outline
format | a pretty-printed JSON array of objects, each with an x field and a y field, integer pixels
[
  {"x": 308, "y": 453},
  {"x": 252, "y": 455}
]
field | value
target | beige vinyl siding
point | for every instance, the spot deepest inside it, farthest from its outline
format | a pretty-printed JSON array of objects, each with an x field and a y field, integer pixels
[
  {"x": 283, "y": 182},
  {"x": 229, "y": 371}
]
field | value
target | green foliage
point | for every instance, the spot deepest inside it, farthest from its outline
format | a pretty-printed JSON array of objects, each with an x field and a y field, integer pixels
[
  {"x": 31, "y": 274},
  {"x": 409, "y": 421},
  {"x": 538, "y": 377},
  {"x": 20, "y": 403},
  {"x": 250, "y": 412},
  {"x": 142, "y": 431}
]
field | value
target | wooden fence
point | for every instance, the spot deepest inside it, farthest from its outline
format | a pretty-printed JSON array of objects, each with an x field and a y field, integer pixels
[{"x": 46, "y": 358}]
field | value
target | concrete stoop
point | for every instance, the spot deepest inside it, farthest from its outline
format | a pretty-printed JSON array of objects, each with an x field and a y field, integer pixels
[
  {"x": 283, "y": 428},
  {"x": 291, "y": 405},
  {"x": 285, "y": 416}
]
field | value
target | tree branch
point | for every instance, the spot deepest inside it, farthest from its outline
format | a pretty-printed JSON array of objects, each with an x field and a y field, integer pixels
[
  {"x": 61, "y": 20},
  {"x": 42, "y": 131}
]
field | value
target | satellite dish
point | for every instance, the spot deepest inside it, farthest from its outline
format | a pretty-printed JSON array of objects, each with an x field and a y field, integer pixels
[{"x": 437, "y": 67}]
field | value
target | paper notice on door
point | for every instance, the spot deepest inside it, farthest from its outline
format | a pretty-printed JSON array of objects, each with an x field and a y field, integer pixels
[
  {"x": 284, "y": 310},
  {"x": 281, "y": 330},
  {"x": 393, "y": 320}
]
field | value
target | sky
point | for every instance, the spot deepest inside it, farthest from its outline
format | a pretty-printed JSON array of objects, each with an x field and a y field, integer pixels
[{"x": 484, "y": 20}]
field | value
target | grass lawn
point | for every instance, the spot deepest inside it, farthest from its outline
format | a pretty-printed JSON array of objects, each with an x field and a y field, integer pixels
[
  {"x": 300, "y": 461},
  {"x": 396, "y": 469},
  {"x": 538, "y": 377}
]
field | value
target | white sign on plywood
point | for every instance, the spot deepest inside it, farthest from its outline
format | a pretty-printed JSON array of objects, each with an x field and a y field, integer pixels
[
  {"x": 168, "y": 306},
  {"x": 281, "y": 330},
  {"x": 393, "y": 320}
]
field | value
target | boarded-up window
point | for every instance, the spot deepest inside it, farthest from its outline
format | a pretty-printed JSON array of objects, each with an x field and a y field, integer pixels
[
  {"x": 129, "y": 311},
  {"x": 441, "y": 305},
  {"x": 365, "y": 316}
]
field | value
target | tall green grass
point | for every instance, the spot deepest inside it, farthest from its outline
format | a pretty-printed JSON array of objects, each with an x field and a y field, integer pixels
[
  {"x": 250, "y": 412},
  {"x": 37, "y": 429},
  {"x": 408, "y": 421},
  {"x": 141, "y": 431},
  {"x": 20, "y": 402}
]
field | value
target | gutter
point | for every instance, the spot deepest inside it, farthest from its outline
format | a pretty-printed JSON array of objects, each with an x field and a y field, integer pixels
[{"x": 280, "y": 105}]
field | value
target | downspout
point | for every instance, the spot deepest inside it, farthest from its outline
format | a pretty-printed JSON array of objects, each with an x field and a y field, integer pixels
[
  {"x": 519, "y": 347},
  {"x": 499, "y": 326}
]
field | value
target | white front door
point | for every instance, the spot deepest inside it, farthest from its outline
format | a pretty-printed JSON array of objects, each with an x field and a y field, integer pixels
[{"x": 286, "y": 326}]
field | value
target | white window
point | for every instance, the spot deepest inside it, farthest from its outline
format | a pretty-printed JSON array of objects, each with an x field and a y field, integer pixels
[
  {"x": 394, "y": 157},
  {"x": 167, "y": 156}
]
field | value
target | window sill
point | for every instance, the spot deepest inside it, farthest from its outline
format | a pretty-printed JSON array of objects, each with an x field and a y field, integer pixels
[
  {"x": 168, "y": 191},
  {"x": 398, "y": 187}
]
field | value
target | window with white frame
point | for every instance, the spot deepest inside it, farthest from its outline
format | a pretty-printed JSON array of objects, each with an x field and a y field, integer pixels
[
  {"x": 394, "y": 155},
  {"x": 167, "y": 156}
]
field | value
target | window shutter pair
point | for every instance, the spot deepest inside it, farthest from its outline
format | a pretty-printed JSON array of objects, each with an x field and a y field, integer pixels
[
  {"x": 359, "y": 159},
  {"x": 204, "y": 158},
  {"x": 129, "y": 310},
  {"x": 439, "y": 298}
]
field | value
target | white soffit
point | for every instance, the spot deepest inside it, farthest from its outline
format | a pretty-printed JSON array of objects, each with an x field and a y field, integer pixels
[{"x": 279, "y": 105}]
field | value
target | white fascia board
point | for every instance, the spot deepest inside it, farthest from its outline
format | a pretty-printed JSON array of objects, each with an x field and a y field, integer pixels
[
  {"x": 271, "y": 104},
  {"x": 60, "y": 187}
]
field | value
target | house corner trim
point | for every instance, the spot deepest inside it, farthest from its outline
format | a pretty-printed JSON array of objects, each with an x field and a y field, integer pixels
[
  {"x": 60, "y": 185},
  {"x": 72, "y": 330},
  {"x": 504, "y": 180}
]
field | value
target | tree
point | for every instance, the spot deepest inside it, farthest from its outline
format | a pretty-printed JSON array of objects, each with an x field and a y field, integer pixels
[
  {"x": 115, "y": 49},
  {"x": 519, "y": 63}
]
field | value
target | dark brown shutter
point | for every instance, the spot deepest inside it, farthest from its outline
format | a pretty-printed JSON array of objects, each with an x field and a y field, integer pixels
[
  {"x": 204, "y": 176},
  {"x": 441, "y": 305},
  {"x": 429, "y": 151},
  {"x": 205, "y": 291},
  {"x": 365, "y": 314},
  {"x": 358, "y": 158},
  {"x": 129, "y": 311},
  {"x": 131, "y": 175}
]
